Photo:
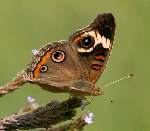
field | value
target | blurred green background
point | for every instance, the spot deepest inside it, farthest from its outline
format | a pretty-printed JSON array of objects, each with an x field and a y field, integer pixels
[{"x": 28, "y": 24}]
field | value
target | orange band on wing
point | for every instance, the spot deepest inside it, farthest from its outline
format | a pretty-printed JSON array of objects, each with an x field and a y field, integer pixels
[
  {"x": 100, "y": 57},
  {"x": 41, "y": 63}
]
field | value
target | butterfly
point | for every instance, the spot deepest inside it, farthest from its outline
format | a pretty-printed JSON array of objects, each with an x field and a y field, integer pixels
[{"x": 72, "y": 65}]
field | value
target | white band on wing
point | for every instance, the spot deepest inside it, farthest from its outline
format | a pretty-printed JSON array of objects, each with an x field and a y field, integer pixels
[{"x": 98, "y": 40}]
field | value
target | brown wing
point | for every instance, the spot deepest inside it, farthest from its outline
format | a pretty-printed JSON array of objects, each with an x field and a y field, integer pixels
[
  {"x": 72, "y": 66},
  {"x": 55, "y": 64},
  {"x": 93, "y": 45}
]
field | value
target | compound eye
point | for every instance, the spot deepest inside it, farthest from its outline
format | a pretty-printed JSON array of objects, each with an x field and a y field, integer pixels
[
  {"x": 43, "y": 68},
  {"x": 87, "y": 41},
  {"x": 58, "y": 56}
]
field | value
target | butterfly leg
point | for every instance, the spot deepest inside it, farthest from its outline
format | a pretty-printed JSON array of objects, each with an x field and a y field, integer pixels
[{"x": 84, "y": 100}]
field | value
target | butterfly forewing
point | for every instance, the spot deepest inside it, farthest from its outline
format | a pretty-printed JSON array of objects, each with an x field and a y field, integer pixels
[{"x": 93, "y": 45}]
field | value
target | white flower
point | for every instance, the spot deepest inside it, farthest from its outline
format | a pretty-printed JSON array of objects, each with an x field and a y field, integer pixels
[
  {"x": 30, "y": 99},
  {"x": 89, "y": 118},
  {"x": 35, "y": 51}
]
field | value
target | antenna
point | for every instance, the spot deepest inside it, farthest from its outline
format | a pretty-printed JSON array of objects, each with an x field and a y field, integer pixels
[{"x": 111, "y": 83}]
